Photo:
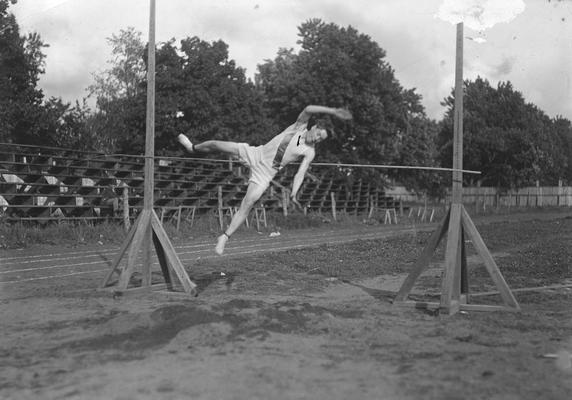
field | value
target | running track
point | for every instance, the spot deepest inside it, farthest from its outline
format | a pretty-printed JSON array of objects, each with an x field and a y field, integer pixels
[{"x": 25, "y": 273}]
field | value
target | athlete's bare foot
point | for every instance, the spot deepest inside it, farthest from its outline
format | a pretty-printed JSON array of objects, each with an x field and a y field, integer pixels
[
  {"x": 186, "y": 143},
  {"x": 221, "y": 242}
]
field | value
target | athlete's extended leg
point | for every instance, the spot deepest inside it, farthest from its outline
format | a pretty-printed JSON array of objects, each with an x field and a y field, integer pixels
[
  {"x": 209, "y": 146},
  {"x": 253, "y": 194}
]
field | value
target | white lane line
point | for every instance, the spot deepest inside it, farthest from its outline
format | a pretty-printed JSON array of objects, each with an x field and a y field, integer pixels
[
  {"x": 64, "y": 255},
  {"x": 42, "y": 278},
  {"x": 230, "y": 251},
  {"x": 15, "y": 271},
  {"x": 229, "y": 254}
]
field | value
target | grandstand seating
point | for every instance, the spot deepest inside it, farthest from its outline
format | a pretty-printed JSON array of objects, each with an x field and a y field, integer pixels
[{"x": 44, "y": 184}]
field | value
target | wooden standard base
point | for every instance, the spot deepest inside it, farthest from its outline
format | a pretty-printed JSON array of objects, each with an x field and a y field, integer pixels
[
  {"x": 454, "y": 286},
  {"x": 146, "y": 227}
]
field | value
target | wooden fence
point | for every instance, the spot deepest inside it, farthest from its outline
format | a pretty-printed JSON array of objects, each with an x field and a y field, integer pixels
[
  {"x": 533, "y": 196},
  {"x": 486, "y": 197}
]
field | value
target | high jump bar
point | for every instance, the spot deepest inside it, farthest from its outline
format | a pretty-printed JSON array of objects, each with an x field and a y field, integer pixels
[{"x": 466, "y": 171}]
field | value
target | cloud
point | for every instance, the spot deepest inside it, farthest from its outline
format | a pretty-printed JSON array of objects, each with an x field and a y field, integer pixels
[
  {"x": 480, "y": 14},
  {"x": 504, "y": 68}
]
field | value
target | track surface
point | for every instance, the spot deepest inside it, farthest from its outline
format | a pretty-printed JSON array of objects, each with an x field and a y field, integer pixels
[
  {"x": 281, "y": 331},
  {"x": 58, "y": 271},
  {"x": 23, "y": 272}
]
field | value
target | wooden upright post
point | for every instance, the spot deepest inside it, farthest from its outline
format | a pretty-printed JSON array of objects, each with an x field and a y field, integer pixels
[
  {"x": 125, "y": 199},
  {"x": 450, "y": 288},
  {"x": 333, "y": 201},
  {"x": 458, "y": 225},
  {"x": 148, "y": 229}
]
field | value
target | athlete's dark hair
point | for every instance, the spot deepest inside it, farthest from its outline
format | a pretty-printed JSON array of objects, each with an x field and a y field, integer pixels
[{"x": 322, "y": 123}]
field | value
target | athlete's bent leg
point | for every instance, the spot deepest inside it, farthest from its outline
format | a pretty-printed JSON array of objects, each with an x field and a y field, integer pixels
[
  {"x": 220, "y": 146},
  {"x": 253, "y": 194},
  {"x": 210, "y": 146}
]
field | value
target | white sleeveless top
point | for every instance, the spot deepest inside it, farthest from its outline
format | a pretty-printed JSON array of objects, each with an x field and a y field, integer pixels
[{"x": 287, "y": 147}]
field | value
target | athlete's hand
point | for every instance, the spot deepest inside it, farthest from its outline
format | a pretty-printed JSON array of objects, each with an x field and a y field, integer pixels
[{"x": 342, "y": 113}]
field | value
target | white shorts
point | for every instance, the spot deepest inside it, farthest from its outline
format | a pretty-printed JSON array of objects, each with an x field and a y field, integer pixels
[{"x": 261, "y": 171}]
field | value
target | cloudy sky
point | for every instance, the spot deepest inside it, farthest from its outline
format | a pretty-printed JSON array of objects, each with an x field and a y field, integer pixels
[{"x": 533, "y": 50}]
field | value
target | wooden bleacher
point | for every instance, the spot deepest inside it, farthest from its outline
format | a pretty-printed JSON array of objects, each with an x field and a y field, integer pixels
[{"x": 44, "y": 184}]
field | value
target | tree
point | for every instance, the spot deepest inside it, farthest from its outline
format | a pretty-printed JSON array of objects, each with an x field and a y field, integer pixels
[
  {"x": 118, "y": 92},
  {"x": 21, "y": 64},
  {"x": 512, "y": 142},
  {"x": 71, "y": 126},
  {"x": 127, "y": 69},
  {"x": 417, "y": 148},
  {"x": 341, "y": 67},
  {"x": 563, "y": 128},
  {"x": 218, "y": 101},
  {"x": 196, "y": 80}
]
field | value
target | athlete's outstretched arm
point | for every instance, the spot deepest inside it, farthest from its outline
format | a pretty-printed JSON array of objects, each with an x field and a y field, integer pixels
[{"x": 340, "y": 113}]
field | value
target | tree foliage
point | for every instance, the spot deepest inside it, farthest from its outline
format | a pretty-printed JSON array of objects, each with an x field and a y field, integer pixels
[
  {"x": 511, "y": 141},
  {"x": 336, "y": 66},
  {"x": 21, "y": 63},
  {"x": 216, "y": 99},
  {"x": 127, "y": 68},
  {"x": 198, "y": 90},
  {"x": 117, "y": 91},
  {"x": 341, "y": 67},
  {"x": 563, "y": 128},
  {"x": 25, "y": 116},
  {"x": 201, "y": 92},
  {"x": 71, "y": 126}
]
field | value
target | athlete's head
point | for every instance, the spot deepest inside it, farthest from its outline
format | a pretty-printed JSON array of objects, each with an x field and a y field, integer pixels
[{"x": 318, "y": 130}]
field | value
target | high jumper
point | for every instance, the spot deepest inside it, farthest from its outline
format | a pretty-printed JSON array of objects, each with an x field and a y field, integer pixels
[{"x": 295, "y": 142}]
